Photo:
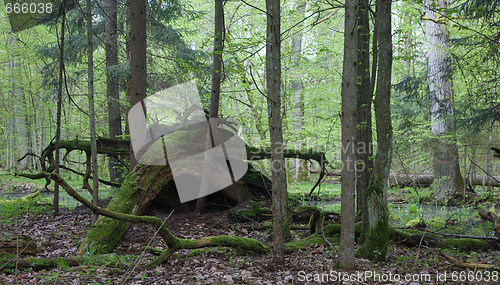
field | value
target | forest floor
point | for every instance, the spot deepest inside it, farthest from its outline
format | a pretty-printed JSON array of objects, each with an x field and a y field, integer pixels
[{"x": 59, "y": 236}]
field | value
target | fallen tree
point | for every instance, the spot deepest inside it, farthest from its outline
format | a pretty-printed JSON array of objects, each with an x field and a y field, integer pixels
[
  {"x": 408, "y": 236},
  {"x": 174, "y": 243},
  {"x": 425, "y": 180},
  {"x": 147, "y": 183}
]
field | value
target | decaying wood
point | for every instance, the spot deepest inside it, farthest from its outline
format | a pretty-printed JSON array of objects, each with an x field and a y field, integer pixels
[
  {"x": 425, "y": 180},
  {"x": 19, "y": 245},
  {"x": 416, "y": 238},
  {"x": 474, "y": 266},
  {"x": 492, "y": 217},
  {"x": 107, "y": 146},
  {"x": 38, "y": 263},
  {"x": 155, "y": 182},
  {"x": 174, "y": 243}
]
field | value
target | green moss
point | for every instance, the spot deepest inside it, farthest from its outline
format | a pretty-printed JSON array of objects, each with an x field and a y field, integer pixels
[
  {"x": 332, "y": 229},
  {"x": 463, "y": 244},
  {"x": 312, "y": 240},
  {"x": 238, "y": 243},
  {"x": 106, "y": 232},
  {"x": 257, "y": 211},
  {"x": 376, "y": 245}
]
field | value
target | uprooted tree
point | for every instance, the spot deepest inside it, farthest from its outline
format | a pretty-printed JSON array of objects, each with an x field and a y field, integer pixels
[{"x": 147, "y": 183}]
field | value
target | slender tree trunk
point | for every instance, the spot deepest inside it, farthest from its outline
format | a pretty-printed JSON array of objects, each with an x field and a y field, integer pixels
[
  {"x": 448, "y": 180},
  {"x": 113, "y": 95},
  {"x": 215, "y": 95},
  {"x": 301, "y": 170},
  {"x": 273, "y": 84},
  {"x": 93, "y": 142},
  {"x": 377, "y": 239},
  {"x": 364, "y": 162},
  {"x": 349, "y": 101},
  {"x": 55, "y": 204},
  {"x": 137, "y": 57}
]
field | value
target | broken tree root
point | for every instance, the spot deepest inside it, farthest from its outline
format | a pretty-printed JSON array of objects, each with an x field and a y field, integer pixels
[{"x": 174, "y": 243}]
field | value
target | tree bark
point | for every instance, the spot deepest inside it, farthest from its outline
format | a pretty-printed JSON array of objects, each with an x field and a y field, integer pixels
[
  {"x": 446, "y": 169},
  {"x": 93, "y": 143},
  {"x": 112, "y": 92},
  {"x": 301, "y": 170},
  {"x": 137, "y": 57},
  {"x": 378, "y": 232},
  {"x": 273, "y": 84},
  {"x": 364, "y": 162},
  {"x": 349, "y": 101},
  {"x": 55, "y": 203},
  {"x": 215, "y": 95}
]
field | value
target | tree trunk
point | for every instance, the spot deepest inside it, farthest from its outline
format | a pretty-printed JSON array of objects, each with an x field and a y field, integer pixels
[
  {"x": 273, "y": 84},
  {"x": 378, "y": 233},
  {"x": 137, "y": 57},
  {"x": 448, "y": 181},
  {"x": 215, "y": 95},
  {"x": 55, "y": 203},
  {"x": 93, "y": 143},
  {"x": 301, "y": 171},
  {"x": 112, "y": 92},
  {"x": 349, "y": 101},
  {"x": 364, "y": 162}
]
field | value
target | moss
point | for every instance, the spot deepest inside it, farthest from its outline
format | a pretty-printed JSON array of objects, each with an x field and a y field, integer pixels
[
  {"x": 463, "y": 244},
  {"x": 332, "y": 229},
  {"x": 238, "y": 242},
  {"x": 257, "y": 211},
  {"x": 20, "y": 200},
  {"x": 106, "y": 232},
  {"x": 376, "y": 245},
  {"x": 311, "y": 240}
]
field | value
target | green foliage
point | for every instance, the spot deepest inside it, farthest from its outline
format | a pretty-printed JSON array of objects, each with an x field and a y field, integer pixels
[{"x": 12, "y": 210}]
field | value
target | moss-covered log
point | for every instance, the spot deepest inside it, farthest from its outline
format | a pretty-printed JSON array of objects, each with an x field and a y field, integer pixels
[
  {"x": 18, "y": 245},
  {"x": 172, "y": 241},
  {"x": 36, "y": 263},
  {"x": 107, "y": 146},
  {"x": 416, "y": 238},
  {"x": 139, "y": 188},
  {"x": 146, "y": 183},
  {"x": 425, "y": 180}
]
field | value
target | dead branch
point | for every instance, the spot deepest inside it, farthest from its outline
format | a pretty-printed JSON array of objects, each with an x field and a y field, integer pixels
[
  {"x": 474, "y": 266},
  {"x": 492, "y": 217}
]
